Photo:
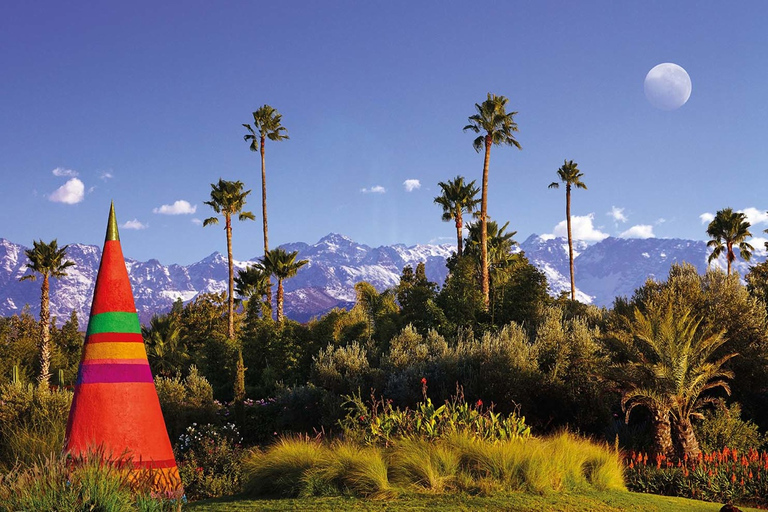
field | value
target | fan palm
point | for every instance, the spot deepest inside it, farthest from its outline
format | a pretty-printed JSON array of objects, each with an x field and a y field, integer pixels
[
  {"x": 165, "y": 350},
  {"x": 671, "y": 366},
  {"x": 457, "y": 197},
  {"x": 48, "y": 260},
  {"x": 228, "y": 199},
  {"x": 266, "y": 125},
  {"x": 727, "y": 229},
  {"x": 253, "y": 282},
  {"x": 282, "y": 265},
  {"x": 569, "y": 174},
  {"x": 496, "y": 127}
]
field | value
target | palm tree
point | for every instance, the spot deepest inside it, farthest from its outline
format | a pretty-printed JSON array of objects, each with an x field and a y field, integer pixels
[
  {"x": 726, "y": 229},
  {"x": 496, "y": 127},
  {"x": 457, "y": 198},
  {"x": 228, "y": 199},
  {"x": 166, "y": 351},
  {"x": 569, "y": 174},
  {"x": 266, "y": 125},
  {"x": 282, "y": 265},
  {"x": 253, "y": 282},
  {"x": 670, "y": 367},
  {"x": 48, "y": 260}
]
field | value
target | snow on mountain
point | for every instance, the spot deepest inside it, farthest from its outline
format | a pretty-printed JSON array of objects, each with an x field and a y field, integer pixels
[{"x": 604, "y": 270}]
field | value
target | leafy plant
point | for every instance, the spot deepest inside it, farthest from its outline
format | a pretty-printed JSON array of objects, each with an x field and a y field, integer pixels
[{"x": 209, "y": 459}]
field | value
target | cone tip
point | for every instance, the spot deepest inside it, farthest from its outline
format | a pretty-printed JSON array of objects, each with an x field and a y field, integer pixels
[{"x": 112, "y": 233}]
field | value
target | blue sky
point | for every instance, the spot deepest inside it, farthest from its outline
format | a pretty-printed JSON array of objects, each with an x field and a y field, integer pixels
[{"x": 142, "y": 103}]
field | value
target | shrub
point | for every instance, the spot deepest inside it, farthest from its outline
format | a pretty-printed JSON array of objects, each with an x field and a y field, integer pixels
[
  {"x": 724, "y": 427},
  {"x": 344, "y": 369},
  {"x": 186, "y": 401},
  {"x": 33, "y": 421},
  {"x": 209, "y": 459}
]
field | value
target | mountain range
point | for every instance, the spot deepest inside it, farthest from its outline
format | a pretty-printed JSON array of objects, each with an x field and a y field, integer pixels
[{"x": 604, "y": 270}]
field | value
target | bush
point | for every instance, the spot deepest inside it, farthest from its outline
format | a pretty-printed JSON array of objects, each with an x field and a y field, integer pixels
[
  {"x": 724, "y": 427},
  {"x": 185, "y": 401},
  {"x": 33, "y": 421},
  {"x": 209, "y": 459},
  {"x": 344, "y": 370},
  {"x": 87, "y": 483}
]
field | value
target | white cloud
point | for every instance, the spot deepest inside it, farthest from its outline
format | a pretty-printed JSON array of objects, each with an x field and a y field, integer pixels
[
  {"x": 581, "y": 228},
  {"x": 411, "y": 185},
  {"x": 180, "y": 207},
  {"x": 661, "y": 221},
  {"x": 197, "y": 222},
  {"x": 706, "y": 218},
  {"x": 134, "y": 224},
  {"x": 72, "y": 192},
  {"x": 68, "y": 173},
  {"x": 639, "y": 231},
  {"x": 106, "y": 175},
  {"x": 755, "y": 216},
  {"x": 376, "y": 189},
  {"x": 618, "y": 214}
]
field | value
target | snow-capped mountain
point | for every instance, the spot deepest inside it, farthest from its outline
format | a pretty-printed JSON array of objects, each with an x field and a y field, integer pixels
[{"x": 604, "y": 270}]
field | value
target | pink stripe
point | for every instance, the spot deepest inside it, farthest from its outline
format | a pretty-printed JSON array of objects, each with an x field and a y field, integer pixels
[{"x": 113, "y": 373}]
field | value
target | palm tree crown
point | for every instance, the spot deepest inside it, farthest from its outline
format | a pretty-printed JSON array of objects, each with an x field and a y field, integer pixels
[
  {"x": 48, "y": 260},
  {"x": 457, "y": 197},
  {"x": 282, "y": 265},
  {"x": 727, "y": 229},
  {"x": 228, "y": 199},
  {"x": 496, "y": 127},
  {"x": 569, "y": 174}
]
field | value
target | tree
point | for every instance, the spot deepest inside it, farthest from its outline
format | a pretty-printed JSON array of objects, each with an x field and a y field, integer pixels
[
  {"x": 416, "y": 295},
  {"x": 266, "y": 125},
  {"x": 166, "y": 350},
  {"x": 457, "y": 198},
  {"x": 671, "y": 365},
  {"x": 254, "y": 282},
  {"x": 726, "y": 229},
  {"x": 569, "y": 174},
  {"x": 282, "y": 265},
  {"x": 48, "y": 260},
  {"x": 228, "y": 199},
  {"x": 496, "y": 127}
]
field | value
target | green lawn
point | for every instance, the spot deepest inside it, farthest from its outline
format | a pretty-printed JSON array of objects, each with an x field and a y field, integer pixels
[{"x": 588, "y": 501}]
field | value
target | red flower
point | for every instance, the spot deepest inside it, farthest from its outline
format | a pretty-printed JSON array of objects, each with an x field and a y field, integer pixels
[
  {"x": 423, "y": 381},
  {"x": 479, "y": 403}
]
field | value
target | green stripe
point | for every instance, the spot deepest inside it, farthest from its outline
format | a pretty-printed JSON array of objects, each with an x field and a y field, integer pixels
[{"x": 114, "y": 322}]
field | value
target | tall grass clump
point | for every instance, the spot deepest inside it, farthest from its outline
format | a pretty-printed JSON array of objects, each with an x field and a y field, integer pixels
[
  {"x": 282, "y": 468},
  {"x": 356, "y": 470},
  {"x": 425, "y": 466},
  {"x": 67, "y": 484}
]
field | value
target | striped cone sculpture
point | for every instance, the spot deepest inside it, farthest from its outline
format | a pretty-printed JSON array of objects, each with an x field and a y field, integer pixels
[{"x": 115, "y": 410}]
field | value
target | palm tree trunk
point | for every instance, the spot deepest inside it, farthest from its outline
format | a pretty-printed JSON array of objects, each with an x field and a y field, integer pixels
[
  {"x": 459, "y": 225},
  {"x": 484, "y": 227},
  {"x": 729, "y": 256},
  {"x": 570, "y": 237},
  {"x": 279, "y": 301},
  {"x": 686, "y": 439},
  {"x": 45, "y": 334},
  {"x": 662, "y": 433},
  {"x": 264, "y": 212},
  {"x": 231, "y": 300}
]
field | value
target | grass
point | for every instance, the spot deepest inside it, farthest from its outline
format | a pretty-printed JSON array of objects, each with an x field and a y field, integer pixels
[{"x": 594, "y": 501}]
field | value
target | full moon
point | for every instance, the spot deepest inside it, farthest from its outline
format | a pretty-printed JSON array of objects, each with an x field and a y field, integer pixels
[{"x": 667, "y": 86}]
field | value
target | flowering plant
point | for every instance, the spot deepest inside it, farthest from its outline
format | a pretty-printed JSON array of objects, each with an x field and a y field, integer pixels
[{"x": 209, "y": 459}]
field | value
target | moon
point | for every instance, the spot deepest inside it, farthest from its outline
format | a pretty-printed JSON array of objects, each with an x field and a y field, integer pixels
[{"x": 667, "y": 86}]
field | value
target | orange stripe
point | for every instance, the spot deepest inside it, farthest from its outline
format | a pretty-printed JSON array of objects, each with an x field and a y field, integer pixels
[{"x": 115, "y": 361}]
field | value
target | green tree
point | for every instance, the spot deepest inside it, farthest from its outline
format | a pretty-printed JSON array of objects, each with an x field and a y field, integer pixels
[
  {"x": 166, "y": 350},
  {"x": 671, "y": 364},
  {"x": 416, "y": 295},
  {"x": 254, "y": 282},
  {"x": 496, "y": 127},
  {"x": 283, "y": 265},
  {"x": 48, "y": 260},
  {"x": 457, "y": 198},
  {"x": 727, "y": 229},
  {"x": 569, "y": 174},
  {"x": 266, "y": 125},
  {"x": 757, "y": 281},
  {"x": 228, "y": 199}
]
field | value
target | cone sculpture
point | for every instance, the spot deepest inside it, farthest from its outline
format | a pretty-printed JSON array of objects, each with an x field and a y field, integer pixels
[{"x": 115, "y": 410}]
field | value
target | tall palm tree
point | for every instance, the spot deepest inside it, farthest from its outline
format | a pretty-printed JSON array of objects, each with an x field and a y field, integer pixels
[
  {"x": 671, "y": 365},
  {"x": 228, "y": 199},
  {"x": 496, "y": 127},
  {"x": 727, "y": 229},
  {"x": 282, "y": 265},
  {"x": 457, "y": 198},
  {"x": 569, "y": 174},
  {"x": 266, "y": 125},
  {"x": 48, "y": 260}
]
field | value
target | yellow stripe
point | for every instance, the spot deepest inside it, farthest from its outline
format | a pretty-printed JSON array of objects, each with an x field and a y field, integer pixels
[{"x": 115, "y": 350}]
